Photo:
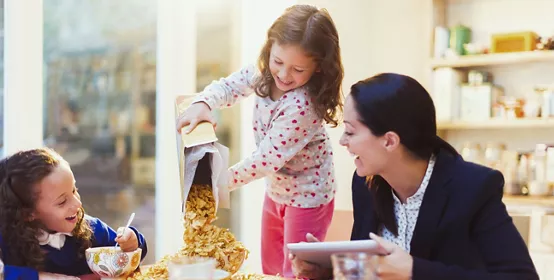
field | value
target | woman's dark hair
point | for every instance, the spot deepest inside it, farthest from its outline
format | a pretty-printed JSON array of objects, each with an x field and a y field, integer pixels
[
  {"x": 397, "y": 103},
  {"x": 19, "y": 176}
]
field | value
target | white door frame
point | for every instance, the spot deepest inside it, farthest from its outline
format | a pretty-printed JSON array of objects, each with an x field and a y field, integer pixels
[
  {"x": 176, "y": 74},
  {"x": 23, "y": 83}
]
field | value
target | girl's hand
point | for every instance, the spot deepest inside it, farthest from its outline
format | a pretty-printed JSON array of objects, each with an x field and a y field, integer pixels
[
  {"x": 303, "y": 269},
  {"x": 397, "y": 264},
  {"x": 54, "y": 276},
  {"x": 128, "y": 241},
  {"x": 193, "y": 115}
]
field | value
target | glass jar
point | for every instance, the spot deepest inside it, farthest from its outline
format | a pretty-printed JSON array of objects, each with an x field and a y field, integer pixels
[
  {"x": 472, "y": 152},
  {"x": 188, "y": 268},
  {"x": 533, "y": 105},
  {"x": 538, "y": 184},
  {"x": 513, "y": 107},
  {"x": 546, "y": 94},
  {"x": 522, "y": 178},
  {"x": 493, "y": 155},
  {"x": 509, "y": 166}
]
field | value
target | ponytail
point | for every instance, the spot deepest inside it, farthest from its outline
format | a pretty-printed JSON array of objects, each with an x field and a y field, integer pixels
[
  {"x": 384, "y": 203},
  {"x": 440, "y": 144}
]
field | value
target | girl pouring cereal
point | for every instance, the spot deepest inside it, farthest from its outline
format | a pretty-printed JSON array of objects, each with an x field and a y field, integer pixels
[{"x": 297, "y": 86}]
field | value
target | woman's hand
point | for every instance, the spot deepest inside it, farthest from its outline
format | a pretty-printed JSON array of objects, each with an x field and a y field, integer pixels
[
  {"x": 308, "y": 270},
  {"x": 397, "y": 264},
  {"x": 193, "y": 115},
  {"x": 54, "y": 276},
  {"x": 127, "y": 239}
]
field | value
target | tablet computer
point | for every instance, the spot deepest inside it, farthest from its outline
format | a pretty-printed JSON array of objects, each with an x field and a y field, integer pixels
[{"x": 320, "y": 252}]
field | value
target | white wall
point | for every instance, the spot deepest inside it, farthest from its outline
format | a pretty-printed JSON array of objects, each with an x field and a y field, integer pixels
[
  {"x": 213, "y": 24},
  {"x": 22, "y": 76},
  {"x": 176, "y": 74}
]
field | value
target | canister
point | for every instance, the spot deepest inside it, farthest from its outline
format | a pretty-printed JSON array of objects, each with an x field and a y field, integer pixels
[{"x": 459, "y": 35}]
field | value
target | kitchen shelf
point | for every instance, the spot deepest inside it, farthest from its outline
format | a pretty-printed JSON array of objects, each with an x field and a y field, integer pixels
[
  {"x": 468, "y": 61},
  {"x": 545, "y": 201},
  {"x": 497, "y": 124}
]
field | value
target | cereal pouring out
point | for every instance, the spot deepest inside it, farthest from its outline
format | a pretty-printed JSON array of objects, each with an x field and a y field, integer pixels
[{"x": 202, "y": 238}]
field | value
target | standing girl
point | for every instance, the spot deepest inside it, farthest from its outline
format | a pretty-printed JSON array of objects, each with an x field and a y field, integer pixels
[
  {"x": 44, "y": 231},
  {"x": 298, "y": 90}
]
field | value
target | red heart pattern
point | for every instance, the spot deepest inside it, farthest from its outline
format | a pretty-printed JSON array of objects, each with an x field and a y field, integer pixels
[{"x": 286, "y": 132}]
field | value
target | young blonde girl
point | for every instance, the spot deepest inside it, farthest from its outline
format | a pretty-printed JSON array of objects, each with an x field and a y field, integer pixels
[
  {"x": 297, "y": 84},
  {"x": 44, "y": 231}
]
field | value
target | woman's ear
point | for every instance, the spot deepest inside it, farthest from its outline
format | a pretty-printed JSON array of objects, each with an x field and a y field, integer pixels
[{"x": 391, "y": 141}]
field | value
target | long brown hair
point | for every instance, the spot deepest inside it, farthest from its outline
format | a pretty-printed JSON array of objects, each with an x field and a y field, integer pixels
[
  {"x": 313, "y": 30},
  {"x": 19, "y": 176}
]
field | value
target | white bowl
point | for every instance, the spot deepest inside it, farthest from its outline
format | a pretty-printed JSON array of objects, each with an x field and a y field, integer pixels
[{"x": 111, "y": 262}]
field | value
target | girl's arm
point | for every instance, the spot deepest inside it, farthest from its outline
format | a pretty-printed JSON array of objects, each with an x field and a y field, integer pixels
[
  {"x": 16, "y": 273},
  {"x": 10, "y": 272},
  {"x": 227, "y": 91},
  {"x": 294, "y": 127},
  {"x": 104, "y": 235}
]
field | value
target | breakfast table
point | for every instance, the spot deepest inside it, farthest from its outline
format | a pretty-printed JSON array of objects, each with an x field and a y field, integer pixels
[{"x": 238, "y": 275}]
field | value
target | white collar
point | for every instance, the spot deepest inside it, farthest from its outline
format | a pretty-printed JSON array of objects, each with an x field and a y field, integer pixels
[
  {"x": 54, "y": 240},
  {"x": 418, "y": 195}
]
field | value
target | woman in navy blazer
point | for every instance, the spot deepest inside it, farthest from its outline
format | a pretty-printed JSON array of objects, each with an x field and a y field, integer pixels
[{"x": 435, "y": 215}]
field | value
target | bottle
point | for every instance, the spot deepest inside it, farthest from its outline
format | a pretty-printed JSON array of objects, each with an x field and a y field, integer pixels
[{"x": 538, "y": 184}]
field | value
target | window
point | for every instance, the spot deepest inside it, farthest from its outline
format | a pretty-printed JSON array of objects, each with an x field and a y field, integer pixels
[{"x": 99, "y": 97}]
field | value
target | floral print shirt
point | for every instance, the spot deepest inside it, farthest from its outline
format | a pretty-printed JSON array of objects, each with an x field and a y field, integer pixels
[{"x": 293, "y": 152}]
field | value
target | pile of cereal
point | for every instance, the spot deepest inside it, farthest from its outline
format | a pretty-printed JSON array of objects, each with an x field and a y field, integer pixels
[
  {"x": 202, "y": 238},
  {"x": 252, "y": 276}
]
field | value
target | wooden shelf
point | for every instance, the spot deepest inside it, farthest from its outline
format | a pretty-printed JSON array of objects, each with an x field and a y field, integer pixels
[
  {"x": 497, "y": 124},
  {"x": 493, "y": 59},
  {"x": 545, "y": 201}
]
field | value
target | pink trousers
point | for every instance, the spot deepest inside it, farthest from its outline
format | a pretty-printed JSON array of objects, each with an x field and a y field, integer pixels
[{"x": 282, "y": 224}]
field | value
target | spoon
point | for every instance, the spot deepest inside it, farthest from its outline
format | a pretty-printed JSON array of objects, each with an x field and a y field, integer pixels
[{"x": 125, "y": 228}]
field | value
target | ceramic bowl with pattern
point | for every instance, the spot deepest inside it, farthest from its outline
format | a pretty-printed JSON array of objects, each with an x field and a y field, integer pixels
[{"x": 112, "y": 263}]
